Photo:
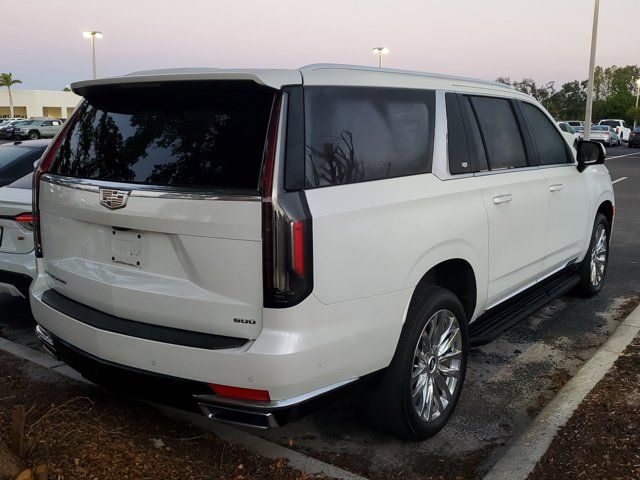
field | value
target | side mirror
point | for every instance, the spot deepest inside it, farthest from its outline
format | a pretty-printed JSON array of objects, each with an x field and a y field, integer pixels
[{"x": 590, "y": 153}]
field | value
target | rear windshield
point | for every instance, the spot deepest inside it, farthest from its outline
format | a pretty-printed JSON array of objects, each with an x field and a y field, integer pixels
[
  {"x": 24, "y": 182},
  {"x": 611, "y": 123},
  {"x": 17, "y": 161},
  {"x": 207, "y": 135}
]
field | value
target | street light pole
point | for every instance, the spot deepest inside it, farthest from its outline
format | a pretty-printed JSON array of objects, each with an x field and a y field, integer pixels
[
  {"x": 635, "y": 114},
  {"x": 592, "y": 67},
  {"x": 380, "y": 51},
  {"x": 92, "y": 35}
]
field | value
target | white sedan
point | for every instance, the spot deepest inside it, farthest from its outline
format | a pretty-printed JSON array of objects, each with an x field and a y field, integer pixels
[{"x": 17, "y": 261}]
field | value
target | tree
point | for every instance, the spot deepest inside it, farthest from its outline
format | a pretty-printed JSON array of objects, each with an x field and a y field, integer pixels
[{"x": 7, "y": 80}]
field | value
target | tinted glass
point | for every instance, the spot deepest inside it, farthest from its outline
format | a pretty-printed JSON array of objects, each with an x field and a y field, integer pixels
[
  {"x": 611, "y": 123},
  {"x": 548, "y": 142},
  {"x": 501, "y": 132},
  {"x": 477, "y": 151},
  {"x": 16, "y": 162},
  {"x": 355, "y": 134},
  {"x": 25, "y": 182},
  {"x": 456, "y": 137},
  {"x": 188, "y": 135}
]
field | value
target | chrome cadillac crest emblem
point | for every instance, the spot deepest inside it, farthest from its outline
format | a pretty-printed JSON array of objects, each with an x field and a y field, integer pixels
[{"x": 114, "y": 199}]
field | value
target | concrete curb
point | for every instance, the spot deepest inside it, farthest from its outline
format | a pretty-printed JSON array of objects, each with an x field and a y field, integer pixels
[
  {"x": 255, "y": 444},
  {"x": 523, "y": 455}
]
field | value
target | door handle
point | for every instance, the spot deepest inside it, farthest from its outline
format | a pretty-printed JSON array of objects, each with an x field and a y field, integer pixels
[
  {"x": 555, "y": 187},
  {"x": 498, "y": 199}
]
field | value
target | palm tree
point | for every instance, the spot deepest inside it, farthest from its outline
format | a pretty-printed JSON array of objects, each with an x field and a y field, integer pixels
[{"x": 6, "y": 80}]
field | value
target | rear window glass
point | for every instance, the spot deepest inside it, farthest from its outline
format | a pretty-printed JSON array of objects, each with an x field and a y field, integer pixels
[
  {"x": 611, "y": 123},
  {"x": 24, "y": 182},
  {"x": 358, "y": 134},
  {"x": 208, "y": 135},
  {"x": 501, "y": 132},
  {"x": 17, "y": 161}
]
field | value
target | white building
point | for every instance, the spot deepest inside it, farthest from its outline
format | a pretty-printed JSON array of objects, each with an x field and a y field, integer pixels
[{"x": 38, "y": 103}]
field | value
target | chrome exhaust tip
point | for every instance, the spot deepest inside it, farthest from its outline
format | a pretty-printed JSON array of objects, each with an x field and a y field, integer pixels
[
  {"x": 46, "y": 340},
  {"x": 239, "y": 416}
]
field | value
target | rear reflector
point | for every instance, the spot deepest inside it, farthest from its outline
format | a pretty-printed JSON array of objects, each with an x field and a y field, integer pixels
[
  {"x": 240, "y": 393},
  {"x": 297, "y": 242}
]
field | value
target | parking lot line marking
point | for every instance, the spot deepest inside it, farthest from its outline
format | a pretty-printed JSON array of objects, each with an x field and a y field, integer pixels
[
  {"x": 625, "y": 155},
  {"x": 619, "y": 179},
  {"x": 525, "y": 452}
]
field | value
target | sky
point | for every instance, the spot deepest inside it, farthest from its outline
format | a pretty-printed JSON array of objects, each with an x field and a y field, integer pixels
[{"x": 543, "y": 39}]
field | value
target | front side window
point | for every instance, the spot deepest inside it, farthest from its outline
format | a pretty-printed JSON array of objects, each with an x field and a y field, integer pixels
[
  {"x": 359, "y": 134},
  {"x": 548, "y": 142},
  {"x": 501, "y": 133}
]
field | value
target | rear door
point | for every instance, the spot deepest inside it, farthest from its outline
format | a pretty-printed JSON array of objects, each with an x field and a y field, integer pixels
[{"x": 151, "y": 210}]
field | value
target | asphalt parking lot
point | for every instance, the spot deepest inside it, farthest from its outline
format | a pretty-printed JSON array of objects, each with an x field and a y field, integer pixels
[{"x": 508, "y": 381}]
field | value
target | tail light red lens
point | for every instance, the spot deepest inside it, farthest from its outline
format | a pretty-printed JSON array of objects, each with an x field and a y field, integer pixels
[
  {"x": 286, "y": 232},
  {"x": 25, "y": 219},
  {"x": 43, "y": 167}
]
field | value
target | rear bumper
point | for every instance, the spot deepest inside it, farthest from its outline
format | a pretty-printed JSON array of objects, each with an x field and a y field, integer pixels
[
  {"x": 17, "y": 270},
  {"x": 188, "y": 394},
  {"x": 300, "y": 350}
]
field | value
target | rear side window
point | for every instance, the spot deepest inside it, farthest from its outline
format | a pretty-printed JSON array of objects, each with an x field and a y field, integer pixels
[
  {"x": 358, "y": 134},
  {"x": 208, "y": 134},
  {"x": 456, "y": 138},
  {"x": 501, "y": 132},
  {"x": 477, "y": 151},
  {"x": 548, "y": 142}
]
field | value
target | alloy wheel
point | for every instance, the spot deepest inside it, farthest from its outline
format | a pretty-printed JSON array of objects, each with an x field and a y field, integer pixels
[
  {"x": 436, "y": 365},
  {"x": 599, "y": 256}
]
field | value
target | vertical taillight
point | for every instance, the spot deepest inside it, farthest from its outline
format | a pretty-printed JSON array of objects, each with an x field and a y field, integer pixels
[
  {"x": 286, "y": 230},
  {"x": 43, "y": 167}
]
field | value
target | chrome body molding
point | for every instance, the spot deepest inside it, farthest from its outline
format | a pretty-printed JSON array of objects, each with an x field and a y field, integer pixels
[{"x": 150, "y": 191}]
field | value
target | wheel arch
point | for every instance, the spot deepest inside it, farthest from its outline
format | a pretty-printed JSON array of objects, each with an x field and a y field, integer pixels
[
  {"x": 456, "y": 275},
  {"x": 607, "y": 209}
]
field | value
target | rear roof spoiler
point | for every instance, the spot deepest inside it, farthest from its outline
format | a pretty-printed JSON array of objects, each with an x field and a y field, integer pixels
[{"x": 268, "y": 77}]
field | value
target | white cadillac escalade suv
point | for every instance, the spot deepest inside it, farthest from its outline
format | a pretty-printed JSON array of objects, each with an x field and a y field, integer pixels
[{"x": 261, "y": 240}]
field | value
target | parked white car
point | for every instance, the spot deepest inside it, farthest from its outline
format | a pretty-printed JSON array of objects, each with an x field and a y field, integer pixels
[
  {"x": 17, "y": 262},
  {"x": 620, "y": 127},
  {"x": 259, "y": 239},
  {"x": 569, "y": 134}
]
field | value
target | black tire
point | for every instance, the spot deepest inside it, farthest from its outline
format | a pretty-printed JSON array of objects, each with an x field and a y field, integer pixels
[
  {"x": 389, "y": 406},
  {"x": 588, "y": 288},
  {"x": 34, "y": 135}
]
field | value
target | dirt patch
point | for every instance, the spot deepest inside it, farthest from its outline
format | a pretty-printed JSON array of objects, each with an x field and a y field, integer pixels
[
  {"x": 557, "y": 379},
  {"x": 602, "y": 438},
  {"x": 84, "y": 432},
  {"x": 414, "y": 467}
]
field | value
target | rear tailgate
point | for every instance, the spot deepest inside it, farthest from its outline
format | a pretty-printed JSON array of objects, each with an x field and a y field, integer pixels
[{"x": 151, "y": 211}]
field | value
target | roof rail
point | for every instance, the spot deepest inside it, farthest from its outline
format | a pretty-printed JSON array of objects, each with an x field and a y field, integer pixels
[{"x": 341, "y": 66}]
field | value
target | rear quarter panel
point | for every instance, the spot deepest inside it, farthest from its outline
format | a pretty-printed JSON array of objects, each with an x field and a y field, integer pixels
[{"x": 378, "y": 237}]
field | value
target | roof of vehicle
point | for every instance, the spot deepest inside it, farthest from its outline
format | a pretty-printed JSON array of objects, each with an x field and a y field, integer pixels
[
  {"x": 41, "y": 143},
  {"x": 612, "y": 120},
  {"x": 316, "y": 74}
]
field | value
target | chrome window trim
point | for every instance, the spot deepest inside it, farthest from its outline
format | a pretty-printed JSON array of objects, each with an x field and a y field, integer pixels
[{"x": 147, "y": 191}]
